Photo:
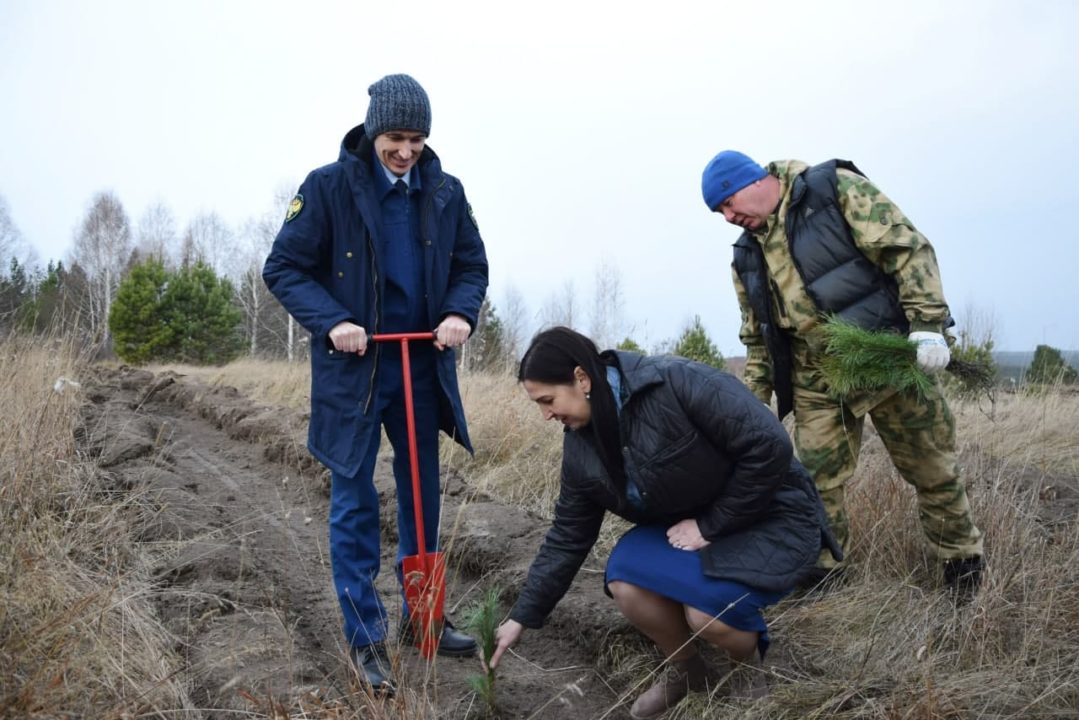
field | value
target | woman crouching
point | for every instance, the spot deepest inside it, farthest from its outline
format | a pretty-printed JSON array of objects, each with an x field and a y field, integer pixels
[{"x": 726, "y": 520}]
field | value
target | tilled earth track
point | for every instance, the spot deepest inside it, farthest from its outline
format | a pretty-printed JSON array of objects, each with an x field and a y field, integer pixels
[{"x": 240, "y": 540}]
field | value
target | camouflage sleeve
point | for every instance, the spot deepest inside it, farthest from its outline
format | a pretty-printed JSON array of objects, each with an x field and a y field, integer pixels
[
  {"x": 758, "y": 371},
  {"x": 890, "y": 240}
]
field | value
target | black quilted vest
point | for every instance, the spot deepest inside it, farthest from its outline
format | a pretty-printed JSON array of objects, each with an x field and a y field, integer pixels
[{"x": 839, "y": 279}]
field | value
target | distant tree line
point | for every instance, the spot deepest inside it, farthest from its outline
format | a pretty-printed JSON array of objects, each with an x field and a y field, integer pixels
[
  {"x": 146, "y": 292},
  {"x": 149, "y": 293}
]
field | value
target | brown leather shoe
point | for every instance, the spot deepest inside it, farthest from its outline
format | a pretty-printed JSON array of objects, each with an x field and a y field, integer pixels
[
  {"x": 747, "y": 681},
  {"x": 674, "y": 683}
]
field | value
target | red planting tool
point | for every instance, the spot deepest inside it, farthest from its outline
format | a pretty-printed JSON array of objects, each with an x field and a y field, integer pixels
[{"x": 424, "y": 573}]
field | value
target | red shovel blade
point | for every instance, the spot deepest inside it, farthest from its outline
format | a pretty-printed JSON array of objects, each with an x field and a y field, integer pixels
[{"x": 425, "y": 593}]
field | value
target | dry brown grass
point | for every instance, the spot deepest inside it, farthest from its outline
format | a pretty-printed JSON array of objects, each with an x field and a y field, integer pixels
[
  {"x": 77, "y": 635},
  {"x": 889, "y": 644},
  {"x": 892, "y": 644},
  {"x": 1028, "y": 431},
  {"x": 274, "y": 383},
  {"x": 517, "y": 454}
]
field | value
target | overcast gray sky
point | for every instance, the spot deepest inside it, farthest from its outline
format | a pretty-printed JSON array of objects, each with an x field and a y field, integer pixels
[{"x": 579, "y": 129}]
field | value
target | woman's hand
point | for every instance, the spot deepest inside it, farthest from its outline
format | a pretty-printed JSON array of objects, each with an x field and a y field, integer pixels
[
  {"x": 685, "y": 535},
  {"x": 506, "y": 636}
]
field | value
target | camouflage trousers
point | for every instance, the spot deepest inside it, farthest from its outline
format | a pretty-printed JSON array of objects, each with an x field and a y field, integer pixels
[{"x": 919, "y": 434}]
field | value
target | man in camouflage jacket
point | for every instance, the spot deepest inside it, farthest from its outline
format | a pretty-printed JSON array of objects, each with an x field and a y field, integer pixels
[{"x": 821, "y": 241}]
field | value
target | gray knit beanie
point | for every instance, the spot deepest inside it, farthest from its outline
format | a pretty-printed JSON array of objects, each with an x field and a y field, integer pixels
[{"x": 398, "y": 102}]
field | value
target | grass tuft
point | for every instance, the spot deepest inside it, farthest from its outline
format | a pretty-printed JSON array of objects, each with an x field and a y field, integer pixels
[
  {"x": 78, "y": 633},
  {"x": 887, "y": 644}
]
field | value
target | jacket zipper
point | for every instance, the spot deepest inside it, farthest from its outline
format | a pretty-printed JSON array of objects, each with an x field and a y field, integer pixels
[
  {"x": 374, "y": 285},
  {"x": 428, "y": 204},
  {"x": 427, "y": 210}
]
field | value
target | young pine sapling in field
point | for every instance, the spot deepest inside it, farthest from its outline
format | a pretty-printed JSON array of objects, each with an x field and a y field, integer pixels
[{"x": 482, "y": 619}]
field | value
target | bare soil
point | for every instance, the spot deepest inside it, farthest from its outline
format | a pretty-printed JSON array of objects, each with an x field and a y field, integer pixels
[
  {"x": 236, "y": 522},
  {"x": 238, "y": 529}
]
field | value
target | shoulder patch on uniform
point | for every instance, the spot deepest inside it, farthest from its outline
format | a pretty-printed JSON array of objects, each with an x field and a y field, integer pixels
[
  {"x": 472, "y": 216},
  {"x": 294, "y": 207}
]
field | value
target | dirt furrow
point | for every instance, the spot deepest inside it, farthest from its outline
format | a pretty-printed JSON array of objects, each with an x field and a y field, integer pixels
[{"x": 240, "y": 542}]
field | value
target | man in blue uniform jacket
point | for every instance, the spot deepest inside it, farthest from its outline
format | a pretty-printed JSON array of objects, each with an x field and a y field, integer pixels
[{"x": 381, "y": 241}]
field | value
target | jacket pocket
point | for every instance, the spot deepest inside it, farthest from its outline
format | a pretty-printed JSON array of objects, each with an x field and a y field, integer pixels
[{"x": 671, "y": 451}]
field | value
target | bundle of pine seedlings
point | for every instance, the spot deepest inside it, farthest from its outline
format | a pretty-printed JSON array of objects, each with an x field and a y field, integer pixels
[{"x": 857, "y": 360}]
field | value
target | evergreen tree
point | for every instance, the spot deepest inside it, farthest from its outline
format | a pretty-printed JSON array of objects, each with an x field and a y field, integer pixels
[
  {"x": 15, "y": 292},
  {"x": 205, "y": 325},
  {"x": 696, "y": 345},
  {"x": 630, "y": 345},
  {"x": 37, "y": 316},
  {"x": 186, "y": 316},
  {"x": 1049, "y": 367},
  {"x": 139, "y": 329},
  {"x": 56, "y": 303},
  {"x": 486, "y": 348}
]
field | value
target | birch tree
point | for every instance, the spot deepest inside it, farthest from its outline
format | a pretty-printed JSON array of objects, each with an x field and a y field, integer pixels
[
  {"x": 561, "y": 307},
  {"x": 156, "y": 235},
  {"x": 266, "y": 324},
  {"x": 253, "y": 244},
  {"x": 12, "y": 244},
  {"x": 102, "y": 247},
  {"x": 208, "y": 240},
  {"x": 513, "y": 323},
  {"x": 9, "y": 237},
  {"x": 607, "y": 303},
  {"x": 282, "y": 197}
]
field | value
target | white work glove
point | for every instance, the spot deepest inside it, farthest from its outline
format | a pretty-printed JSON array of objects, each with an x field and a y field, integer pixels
[{"x": 933, "y": 353}]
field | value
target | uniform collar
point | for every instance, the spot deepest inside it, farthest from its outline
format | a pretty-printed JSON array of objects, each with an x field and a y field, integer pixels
[{"x": 386, "y": 180}]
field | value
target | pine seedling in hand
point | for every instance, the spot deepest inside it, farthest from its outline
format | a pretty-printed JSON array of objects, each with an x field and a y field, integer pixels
[{"x": 857, "y": 360}]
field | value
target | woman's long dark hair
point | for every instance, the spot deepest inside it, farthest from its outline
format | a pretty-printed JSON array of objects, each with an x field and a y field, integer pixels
[{"x": 551, "y": 359}]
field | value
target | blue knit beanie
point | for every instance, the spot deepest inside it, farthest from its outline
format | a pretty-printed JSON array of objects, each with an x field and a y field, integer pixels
[
  {"x": 398, "y": 102},
  {"x": 726, "y": 174}
]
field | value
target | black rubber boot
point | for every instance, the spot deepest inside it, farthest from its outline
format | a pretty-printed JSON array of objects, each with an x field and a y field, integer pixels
[
  {"x": 963, "y": 576},
  {"x": 451, "y": 642},
  {"x": 373, "y": 665}
]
